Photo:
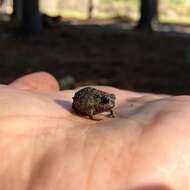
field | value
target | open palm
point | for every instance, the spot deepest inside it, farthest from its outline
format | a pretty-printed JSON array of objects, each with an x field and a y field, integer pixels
[{"x": 45, "y": 145}]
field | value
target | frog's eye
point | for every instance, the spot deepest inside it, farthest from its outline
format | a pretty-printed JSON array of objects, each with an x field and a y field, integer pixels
[{"x": 105, "y": 100}]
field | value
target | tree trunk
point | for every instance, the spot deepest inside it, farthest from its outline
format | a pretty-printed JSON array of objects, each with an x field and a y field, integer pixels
[
  {"x": 149, "y": 14},
  {"x": 31, "y": 17},
  {"x": 1, "y": 4},
  {"x": 17, "y": 10},
  {"x": 90, "y": 8}
]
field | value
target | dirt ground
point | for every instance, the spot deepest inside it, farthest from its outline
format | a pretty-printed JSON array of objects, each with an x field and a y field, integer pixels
[{"x": 104, "y": 55}]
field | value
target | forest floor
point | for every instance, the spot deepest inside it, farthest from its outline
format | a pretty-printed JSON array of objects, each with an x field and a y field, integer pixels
[{"x": 98, "y": 54}]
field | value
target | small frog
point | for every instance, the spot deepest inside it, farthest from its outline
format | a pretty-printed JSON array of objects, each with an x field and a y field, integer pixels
[{"x": 90, "y": 101}]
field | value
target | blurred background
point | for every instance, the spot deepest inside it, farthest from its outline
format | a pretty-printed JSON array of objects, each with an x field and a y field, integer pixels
[{"x": 140, "y": 45}]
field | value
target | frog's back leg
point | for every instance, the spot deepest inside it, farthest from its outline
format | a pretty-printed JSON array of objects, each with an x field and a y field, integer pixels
[
  {"x": 112, "y": 113},
  {"x": 91, "y": 114}
]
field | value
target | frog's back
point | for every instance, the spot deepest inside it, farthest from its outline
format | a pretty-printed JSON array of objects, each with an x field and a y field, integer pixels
[{"x": 83, "y": 100}]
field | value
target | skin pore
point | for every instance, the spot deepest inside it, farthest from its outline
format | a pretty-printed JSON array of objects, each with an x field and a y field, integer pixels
[{"x": 45, "y": 145}]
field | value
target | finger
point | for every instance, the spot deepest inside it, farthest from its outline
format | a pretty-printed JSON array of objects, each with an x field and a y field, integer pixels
[{"x": 40, "y": 81}]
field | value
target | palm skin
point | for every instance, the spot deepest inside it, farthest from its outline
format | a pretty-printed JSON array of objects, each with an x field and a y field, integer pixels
[{"x": 45, "y": 145}]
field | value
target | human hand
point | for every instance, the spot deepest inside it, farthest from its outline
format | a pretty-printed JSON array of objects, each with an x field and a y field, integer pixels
[{"x": 44, "y": 145}]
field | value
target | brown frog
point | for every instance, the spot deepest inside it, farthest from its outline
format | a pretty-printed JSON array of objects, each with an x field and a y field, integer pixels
[{"x": 90, "y": 101}]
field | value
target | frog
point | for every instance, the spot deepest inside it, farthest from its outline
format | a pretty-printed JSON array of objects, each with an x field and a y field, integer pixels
[{"x": 90, "y": 101}]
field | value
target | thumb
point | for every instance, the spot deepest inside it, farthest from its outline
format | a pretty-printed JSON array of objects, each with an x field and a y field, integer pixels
[{"x": 39, "y": 81}]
